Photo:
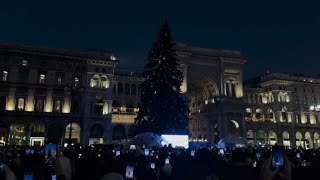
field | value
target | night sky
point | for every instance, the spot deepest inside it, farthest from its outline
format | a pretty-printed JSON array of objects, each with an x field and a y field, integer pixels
[{"x": 273, "y": 35}]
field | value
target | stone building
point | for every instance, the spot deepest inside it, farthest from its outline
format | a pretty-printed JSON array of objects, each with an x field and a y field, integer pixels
[
  {"x": 283, "y": 109},
  {"x": 126, "y": 98},
  {"x": 45, "y": 92},
  {"x": 213, "y": 86}
]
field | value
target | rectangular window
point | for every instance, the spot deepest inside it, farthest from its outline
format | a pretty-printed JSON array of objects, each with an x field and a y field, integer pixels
[
  {"x": 76, "y": 81},
  {"x": 42, "y": 78},
  {"x": 24, "y": 63},
  {"x": 57, "y": 105},
  {"x": 4, "y": 75},
  {"x": 20, "y": 104},
  {"x": 39, "y": 105},
  {"x": 304, "y": 100},
  {"x": 59, "y": 80}
]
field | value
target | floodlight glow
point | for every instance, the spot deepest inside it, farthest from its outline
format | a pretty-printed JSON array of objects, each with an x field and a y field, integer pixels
[
  {"x": 311, "y": 108},
  {"x": 177, "y": 140}
]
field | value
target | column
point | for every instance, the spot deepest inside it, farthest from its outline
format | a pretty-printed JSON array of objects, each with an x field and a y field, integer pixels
[
  {"x": 85, "y": 133},
  {"x": 254, "y": 136},
  {"x": 27, "y": 127},
  {"x": 10, "y": 106},
  {"x": 280, "y": 138},
  {"x": 66, "y": 103},
  {"x": 105, "y": 107},
  {"x": 30, "y": 101},
  {"x": 230, "y": 88},
  {"x": 48, "y": 101}
]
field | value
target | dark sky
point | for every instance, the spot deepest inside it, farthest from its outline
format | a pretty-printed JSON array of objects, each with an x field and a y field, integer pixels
[{"x": 273, "y": 35}]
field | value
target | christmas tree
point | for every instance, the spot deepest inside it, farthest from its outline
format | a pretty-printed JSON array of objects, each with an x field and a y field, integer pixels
[{"x": 162, "y": 108}]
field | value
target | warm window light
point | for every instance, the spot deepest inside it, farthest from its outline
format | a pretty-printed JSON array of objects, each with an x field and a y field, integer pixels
[
  {"x": 104, "y": 82},
  {"x": 123, "y": 109},
  {"x": 42, "y": 78},
  {"x": 20, "y": 104},
  {"x": 95, "y": 81}
]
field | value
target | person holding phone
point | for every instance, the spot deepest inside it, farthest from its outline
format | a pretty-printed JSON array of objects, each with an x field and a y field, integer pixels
[{"x": 268, "y": 172}]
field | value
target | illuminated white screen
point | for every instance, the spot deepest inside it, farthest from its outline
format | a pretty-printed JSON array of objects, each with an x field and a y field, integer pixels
[{"x": 177, "y": 140}]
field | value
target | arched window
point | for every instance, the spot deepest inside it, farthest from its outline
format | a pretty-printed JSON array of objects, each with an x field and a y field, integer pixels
[
  {"x": 127, "y": 89},
  {"x": 261, "y": 136},
  {"x": 104, "y": 82},
  {"x": 270, "y": 115},
  {"x": 280, "y": 97},
  {"x": 250, "y": 136},
  {"x": 248, "y": 114},
  {"x": 299, "y": 142},
  {"x": 286, "y": 97},
  {"x": 271, "y": 98},
  {"x": 120, "y": 89},
  {"x": 95, "y": 81},
  {"x": 21, "y": 104},
  {"x": 284, "y": 116},
  {"x": 286, "y": 138},
  {"x": 272, "y": 138},
  {"x": 249, "y": 98},
  {"x": 230, "y": 86},
  {"x": 133, "y": 89},
  {"x": 258, "y": 113},
  {"x": 39, "y": 105},
  {"x": 119, "y": 132}
]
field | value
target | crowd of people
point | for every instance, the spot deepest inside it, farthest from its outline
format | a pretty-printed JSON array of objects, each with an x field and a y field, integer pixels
[{"x": 117, "y": 162}]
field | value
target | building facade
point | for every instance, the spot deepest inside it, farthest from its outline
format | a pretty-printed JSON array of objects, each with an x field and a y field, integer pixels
[
  {"x": 67, "y": 96},
  {"x": 283, "y": 109},
  {"x": 213, "y": 86},
  {"x": 126, "y": 97},
  {"x": 55, "y": 95}
]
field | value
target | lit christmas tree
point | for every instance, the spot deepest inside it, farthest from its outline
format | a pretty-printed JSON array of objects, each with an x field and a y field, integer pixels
[{"x": 162, "y": 109}]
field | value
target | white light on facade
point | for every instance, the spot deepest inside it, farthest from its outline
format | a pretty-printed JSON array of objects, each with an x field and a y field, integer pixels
[
  {"x": 318, "y": 108},
  {"x": 4, "y": 75},
  {"x": 24, "y": 63},
  {"x": 206, "y": 101},
  {"x": 311, "y": 108},
  {"x": 113, "y": 58}
]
